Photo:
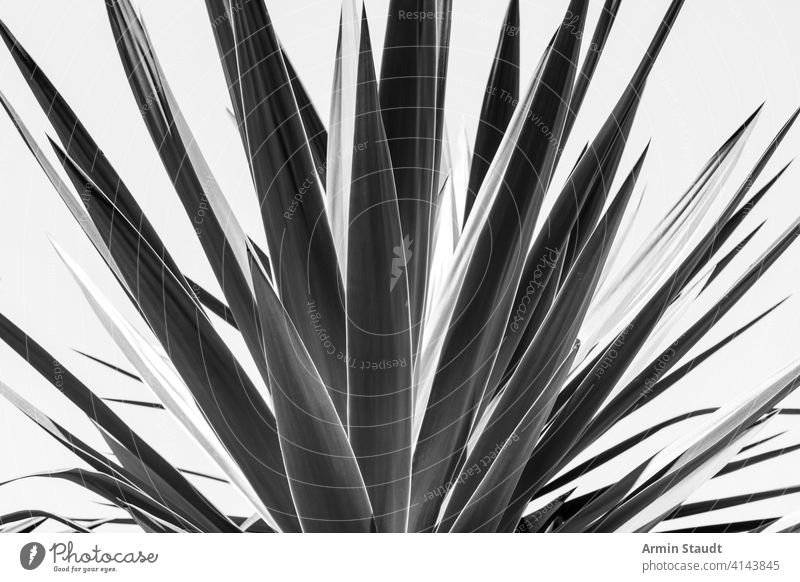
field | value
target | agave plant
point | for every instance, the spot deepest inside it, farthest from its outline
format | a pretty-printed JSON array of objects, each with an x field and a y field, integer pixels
[{"x": 436, "y": 344}]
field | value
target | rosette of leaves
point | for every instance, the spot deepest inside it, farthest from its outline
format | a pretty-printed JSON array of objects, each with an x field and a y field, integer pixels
[{"x": 437, "y": 339}]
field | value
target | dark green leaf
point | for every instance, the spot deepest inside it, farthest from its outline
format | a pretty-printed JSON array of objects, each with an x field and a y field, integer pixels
[
  {"x": 409, "y": 98},
  {"x": 484, "y": 300},
  {"x": 287, "y": 181},
  {"x": 379, "y": 399},
  {"x": 499, "y": 102},
  {"x": 326, "y": 485}
]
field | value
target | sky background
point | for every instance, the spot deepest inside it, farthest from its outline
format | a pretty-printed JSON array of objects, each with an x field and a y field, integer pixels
[{"x": 723, "y": 59}]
